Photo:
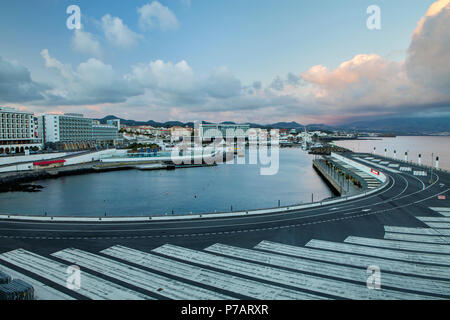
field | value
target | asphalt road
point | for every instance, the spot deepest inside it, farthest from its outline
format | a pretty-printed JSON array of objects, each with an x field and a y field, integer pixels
[{"x": 406, "y": 197}]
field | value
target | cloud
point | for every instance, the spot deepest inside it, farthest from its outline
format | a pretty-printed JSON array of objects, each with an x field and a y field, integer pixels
[
  {"x": 292, "y": 79},
  {"x": 257, "y": 85},
  {"x": 277, "y": 84},
  {"x": 16, "y": 84},
  {"x": 428, "y": 61},
  {"x": 156, "y": 15},
  {"x": 92, "y": 82},
  {"x": 84, "y": 42},
  {"x": 364, "y": 85},
  {"x": 222, "y": 84},
  {"x": 118, "y": 33}
]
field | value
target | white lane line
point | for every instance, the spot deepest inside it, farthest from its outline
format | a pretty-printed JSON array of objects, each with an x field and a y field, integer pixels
[
  {"x": 412, "y": 257},
  {"x": 438, "y": 225},
  {"x": 444, "y": 213},
  {"x": 336, "y": 288},
  {"x": 440, "y": 209},
  {"x": 41, "y": 291},
  {"x": 444, "y": 232},
  {"x": 246, "y": 287},
  {"x": 91, "y": 286},
  {"x": 356, "y": 260},
  {"x": 434, "y": 219},
  {"x": 405, "y": 230},
  {"x": 343, "y": 272},
  {"x": 440, "y": 249},
  {"x": 417, "y": 238},
  {"x": 146, "y": 280}
]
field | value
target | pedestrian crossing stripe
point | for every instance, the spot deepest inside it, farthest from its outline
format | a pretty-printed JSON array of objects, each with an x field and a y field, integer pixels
[{"x": 414, "y": 262}]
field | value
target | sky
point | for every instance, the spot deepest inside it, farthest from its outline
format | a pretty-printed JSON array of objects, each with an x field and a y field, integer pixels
[{"x": 258, "y": 61}]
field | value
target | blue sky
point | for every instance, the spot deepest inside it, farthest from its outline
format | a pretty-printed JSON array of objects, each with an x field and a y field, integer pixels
[{"x": 222, "y": 42}]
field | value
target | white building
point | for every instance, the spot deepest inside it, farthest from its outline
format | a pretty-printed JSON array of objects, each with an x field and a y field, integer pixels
[
  {"x": 211, "y": 130},
  {"x": 73, "y": 131},
  {"x": 19, "y": 131}
]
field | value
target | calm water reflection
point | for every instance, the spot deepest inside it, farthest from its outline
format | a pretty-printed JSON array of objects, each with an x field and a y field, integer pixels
[
  {"x": 203, "y": 189},
  {"x": 413, "y": 145}
]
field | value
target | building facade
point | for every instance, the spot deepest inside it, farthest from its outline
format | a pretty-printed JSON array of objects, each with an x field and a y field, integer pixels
[
  {"x": 73, "y": 131},
  {"x": 19, "y": 131},
  {"x": 212, "y": 130},
  {"x": 106, "y": 135}
]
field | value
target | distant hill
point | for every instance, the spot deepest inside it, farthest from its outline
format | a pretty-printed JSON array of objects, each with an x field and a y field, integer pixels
[{"x": 405, "y": 126}]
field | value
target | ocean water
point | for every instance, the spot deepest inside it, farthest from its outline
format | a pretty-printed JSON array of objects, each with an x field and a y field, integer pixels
[{"x": 425, "y": 145}]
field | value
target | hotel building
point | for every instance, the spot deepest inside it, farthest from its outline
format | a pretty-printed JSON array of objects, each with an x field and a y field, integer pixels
[{"x": 19, "y": 131}]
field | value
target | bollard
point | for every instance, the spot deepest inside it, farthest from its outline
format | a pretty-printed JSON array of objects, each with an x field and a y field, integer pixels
[
  {"x": 420, "y": 159},
  {"x": 385, "y": 152},
  {"x": 406, "y": 156},
  {"x": 437, "y": 162},
  {"x": 395, "y": 154}
]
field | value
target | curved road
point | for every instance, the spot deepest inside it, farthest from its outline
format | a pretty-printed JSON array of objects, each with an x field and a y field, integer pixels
[{"x": 408, "y": 195}]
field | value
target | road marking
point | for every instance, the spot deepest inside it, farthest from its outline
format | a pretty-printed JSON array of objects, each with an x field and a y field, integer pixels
[
  {"x": 417, "y": 238},
  {"x": 402, "y": 245},
  {"x": 412, "y": 257},
  {"x": 438, "y": 225},
  {"x": 393, "y": 165},
  {"x": 146, "y": 280},
  {"x": 337, "y": 271},
  {"x": 356, "y": 260},
  {"x": 439, "y": 209},
  {"x": 294, "y": 279},
  {"x": 41, "y": 291},
  {"x": 409, "y": 169},
  {"x": 419, "y": 173},
  {"x": 425, "y": 231},
  {"x": 434, "y": 219},
  {"x": 246, "y": 287},
  {"x": 91, "y": 286}
]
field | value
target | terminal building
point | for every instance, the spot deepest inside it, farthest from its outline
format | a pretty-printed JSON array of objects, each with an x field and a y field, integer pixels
[
  {"x": 19, "y": 131},
  {"x": 208, "y": 131},
  {"x": 73, "y": 131}
]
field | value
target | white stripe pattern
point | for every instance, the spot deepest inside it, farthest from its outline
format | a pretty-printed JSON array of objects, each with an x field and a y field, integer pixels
[
  {"x": 417, "y": 238},
  {"x": 337, "y": 271},
  {"x": 289, "y": 278},
  {"x": 243, "y": 286},
  {"x": 410, "y": 246},
  {"x": 413, "y": 257},
  {"x": 140, "y": 278},
  {"x": 357, "y": 260},
  {"x": 91, "y": 286}
]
